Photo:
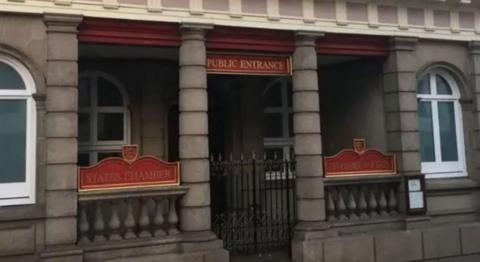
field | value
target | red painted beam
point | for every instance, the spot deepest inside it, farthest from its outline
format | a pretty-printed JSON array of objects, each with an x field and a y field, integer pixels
[
  {"x": 248, "y": 39},
  {"x": 123, "y": 32},
  {"x": 225, "y": 39},
  {"x": 354, "y": 45}
]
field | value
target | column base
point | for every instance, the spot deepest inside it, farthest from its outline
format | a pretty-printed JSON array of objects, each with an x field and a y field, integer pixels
[
  {"x": 203, "y": 246},
  {"x": 69, "y": 253}
]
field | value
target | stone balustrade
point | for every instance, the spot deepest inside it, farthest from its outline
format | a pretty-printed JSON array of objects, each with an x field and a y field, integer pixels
[
  {"x": 123, "y": 214},
  {"x": 353, "y": 200}
]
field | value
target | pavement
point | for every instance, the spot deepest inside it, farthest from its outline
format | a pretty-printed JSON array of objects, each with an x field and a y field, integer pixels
[{"x": 274, "y": 256}]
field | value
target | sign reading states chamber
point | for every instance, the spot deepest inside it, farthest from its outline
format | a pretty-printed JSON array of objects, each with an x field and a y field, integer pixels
[
  {"x": 130, "y": 171},
  {"x": 232, "y": 64},
  {"x": 360, "y": 161}
]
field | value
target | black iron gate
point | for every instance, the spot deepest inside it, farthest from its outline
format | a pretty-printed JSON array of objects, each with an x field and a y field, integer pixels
[{"x": 253, "y": 203}]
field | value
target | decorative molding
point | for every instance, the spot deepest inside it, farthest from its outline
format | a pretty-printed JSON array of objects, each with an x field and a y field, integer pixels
[
  {"x": 58, "y": 2},
  {"x": 402, "y": 14},
  {"x": 196, "y": 7},
  {"x": 273, "y": 10},
  {"x": 111, "y": 4},
  {"x": 235, "y": 8},
  {"x": 268, "y": 20},
  {"x": 477, "y": 21},
  {"x": 454, "y": 21},
  {"x": 308, "y": 7},
  {"x": 154, "y": 5},
  {"x": 341, "y": 12},
  {"x": 429, "y": 20},
  {"x": 372, "y": 12}
]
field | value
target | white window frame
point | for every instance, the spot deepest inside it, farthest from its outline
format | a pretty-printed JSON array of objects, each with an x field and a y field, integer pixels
[
  {"x": 93, "y": 147},
  {"x": 286, "y": 141},
  {"x": 444, "y": 169},
  {"x": 22, "y": 193}
]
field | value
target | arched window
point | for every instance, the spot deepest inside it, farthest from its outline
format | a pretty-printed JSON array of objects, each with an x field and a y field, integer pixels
[
  {"x": 103, "y": 119},
  {"x": 17, "y": 133},
  {"x": 440, "y": 125}
]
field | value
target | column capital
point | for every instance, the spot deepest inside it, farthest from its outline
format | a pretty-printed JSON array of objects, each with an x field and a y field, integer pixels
[
  {"x": 474, "y": 47},
  {"x": 307, "y": 38},
  {"x": 195, "y": 27},
  {"x": 403, "y": 43},
  {"x": 62, "y": 23}
]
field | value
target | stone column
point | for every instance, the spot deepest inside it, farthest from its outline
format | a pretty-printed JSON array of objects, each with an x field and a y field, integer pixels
[
  {"x": 61, "y": 133},
  {"x": 193, "y": 130},
  {"x": 308, "y": 140},
  {"x": 400, "y": 105},
  {"x": 475, "y": 71}
]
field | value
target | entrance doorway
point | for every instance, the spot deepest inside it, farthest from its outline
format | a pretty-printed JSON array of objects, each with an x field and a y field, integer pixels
[{"x": 252, "y": 165}]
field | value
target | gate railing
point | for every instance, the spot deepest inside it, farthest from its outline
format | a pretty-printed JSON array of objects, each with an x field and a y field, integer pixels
[
  {"x": 115, "y": 215},
  {"x": 361, "y": 199},
  {"x": 253, "y": 202}
]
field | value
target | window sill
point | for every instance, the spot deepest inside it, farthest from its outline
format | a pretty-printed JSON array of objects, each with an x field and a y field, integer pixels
[
  {"x": 21, "y": 212},
  {"x": 445, "y": 175}
]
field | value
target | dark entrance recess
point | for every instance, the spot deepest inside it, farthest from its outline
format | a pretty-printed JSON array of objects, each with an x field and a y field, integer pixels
[
  {"x": 253, "y": 203},
  {"x": 252, "y": 194}
]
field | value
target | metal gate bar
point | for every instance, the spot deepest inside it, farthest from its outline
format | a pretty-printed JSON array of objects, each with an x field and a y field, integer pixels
[{"x": 253, "y": 207}]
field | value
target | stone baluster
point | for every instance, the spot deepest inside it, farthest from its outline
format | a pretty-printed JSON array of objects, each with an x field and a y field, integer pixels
[
  {"x": 392, "y": 201},
  {"x": 352, "y": 205},
  {"x": 341, "y": 208},
  {"x": 144, "y": 220},
  {"x": 114, "y": 223},
  {"x": 331, "y": 204},
  {"x": 172, "y": 217},
  {"x": 99, "y": 226},
  {"x": 383, "y": 201},
  {"x": 362, "y": 203},
  {"x": 129, "y": 221},
  {"x": 372, "y": 203},
  {"x": 159, "y": 220},
  {"x": 83, "y": 226}
]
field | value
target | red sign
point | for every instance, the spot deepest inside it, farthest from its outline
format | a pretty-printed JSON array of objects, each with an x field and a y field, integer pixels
[
  {"x": 360, "y": 162},
  {"x": 248, "y": 65},
  {"x": 128, "y": 172}
]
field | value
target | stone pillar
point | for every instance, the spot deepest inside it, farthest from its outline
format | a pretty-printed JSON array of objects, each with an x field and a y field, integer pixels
[
  {"x": 61, "y": 134},
  {"x": 400, "y": 105},
  {"x": 475, "y": 71},
  {"x": 193, "y": 130},
  {"x": 308, "y": 140}
]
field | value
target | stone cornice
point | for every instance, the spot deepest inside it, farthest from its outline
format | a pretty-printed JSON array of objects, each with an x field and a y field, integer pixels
[{"x": 448, "y": 20}]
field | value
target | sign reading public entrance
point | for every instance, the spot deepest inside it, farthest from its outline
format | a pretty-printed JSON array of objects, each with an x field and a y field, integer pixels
[
  {"x": 130, "y": 171},
  {"x": 360, "y": 162},
  {"x": 248, "y": 64}
]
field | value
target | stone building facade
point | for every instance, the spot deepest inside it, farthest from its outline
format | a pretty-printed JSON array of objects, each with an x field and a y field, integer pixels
[{"x": 79, "y": 79}]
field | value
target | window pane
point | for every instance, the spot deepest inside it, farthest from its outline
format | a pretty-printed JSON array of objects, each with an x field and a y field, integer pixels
[
  {"x": 448, "y": 136},
  {"x": 104, "y": 155},
  {"x": 84, "y": 92},
  {"x": 442, "y": 86},
  {"x": 110, "y": 126},
  {"x": 290, "y": 125},
  {"x": 83, "y": 127},
  {"x": 9, "y": 78},
  {"x": 83, "y": 159},
  {"x": 13, "y": 119},
  {"x": 427, "y": 147},
  {"x": 273, "y": 125},
  {"x": 273, "y": 96},
  {"x": 108, "y": 94},
  {"x": 424, "y": 85}
]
